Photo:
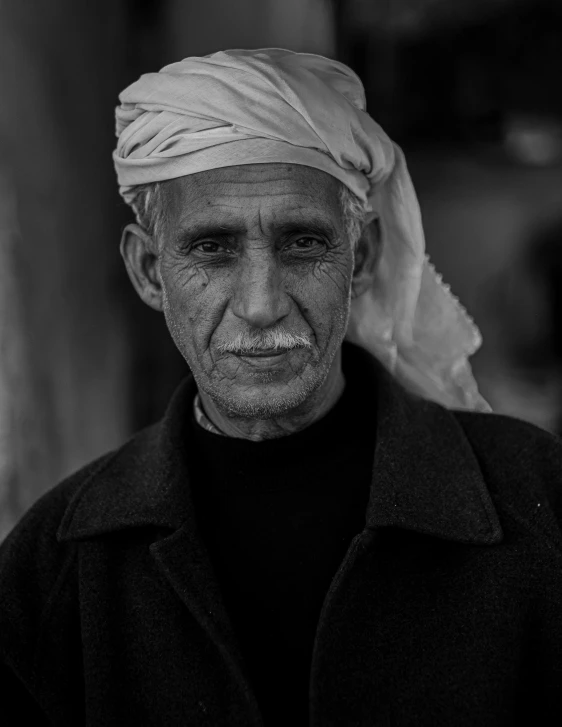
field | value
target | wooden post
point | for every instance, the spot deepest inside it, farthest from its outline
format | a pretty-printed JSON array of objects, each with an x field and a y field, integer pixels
[{"x": 64, "y": 363}]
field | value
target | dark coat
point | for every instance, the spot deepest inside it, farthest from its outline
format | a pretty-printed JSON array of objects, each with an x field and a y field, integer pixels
[{"x": 446, "y": 610}]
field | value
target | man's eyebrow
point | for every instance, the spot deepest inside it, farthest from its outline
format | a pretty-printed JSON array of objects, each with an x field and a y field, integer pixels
[
  {"x": 316, "y": 225},
  {"x": 197, "y": 230}
]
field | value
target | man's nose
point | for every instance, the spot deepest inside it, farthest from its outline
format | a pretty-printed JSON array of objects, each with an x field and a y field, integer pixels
[{"x": 259, "y": 298}]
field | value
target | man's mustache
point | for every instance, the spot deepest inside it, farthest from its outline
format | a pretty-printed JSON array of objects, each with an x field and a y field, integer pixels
[{"x": 277, "y": 339}]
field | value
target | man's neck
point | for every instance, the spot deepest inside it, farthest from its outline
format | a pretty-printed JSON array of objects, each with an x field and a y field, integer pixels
[{"x": 316, "y": 407}]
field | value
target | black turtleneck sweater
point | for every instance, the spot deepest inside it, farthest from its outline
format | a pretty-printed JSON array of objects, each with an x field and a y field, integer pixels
[{"x": 277, "y": 517}]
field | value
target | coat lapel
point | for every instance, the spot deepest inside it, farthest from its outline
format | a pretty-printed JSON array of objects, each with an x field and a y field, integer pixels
[
  {"x": 426, "y": 477},
  {"x": 186, "y": 564}
]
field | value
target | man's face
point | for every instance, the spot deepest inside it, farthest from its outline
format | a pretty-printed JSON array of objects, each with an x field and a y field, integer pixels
[{"x": 249, "y": 251}]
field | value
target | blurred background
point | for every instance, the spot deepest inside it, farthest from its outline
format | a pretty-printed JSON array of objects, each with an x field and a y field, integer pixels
[{"x": 470, "y": 89}]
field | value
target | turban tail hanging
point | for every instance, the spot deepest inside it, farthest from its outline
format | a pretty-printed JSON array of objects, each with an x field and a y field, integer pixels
[{"x": 272, "y": 105}]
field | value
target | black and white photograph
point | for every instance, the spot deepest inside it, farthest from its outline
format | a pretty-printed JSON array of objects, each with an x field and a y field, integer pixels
[{"x": 281, "y": 363}]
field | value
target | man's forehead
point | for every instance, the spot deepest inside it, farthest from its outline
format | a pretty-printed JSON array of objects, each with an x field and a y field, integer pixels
[{"x": 273, "y": 185}]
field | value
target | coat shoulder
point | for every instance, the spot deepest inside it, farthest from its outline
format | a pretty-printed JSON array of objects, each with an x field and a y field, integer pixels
[
  {"x": 34, "y": 537},
  {"x": 34, "y": 564},
  {"x": 521, "y": 464}
]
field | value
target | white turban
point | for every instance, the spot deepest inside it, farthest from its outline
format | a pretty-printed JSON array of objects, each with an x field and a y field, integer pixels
[{"x": 272, "y": 105}]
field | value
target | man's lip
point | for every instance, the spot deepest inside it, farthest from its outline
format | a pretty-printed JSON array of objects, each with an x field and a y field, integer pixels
[{"x": 265, "y": 353}]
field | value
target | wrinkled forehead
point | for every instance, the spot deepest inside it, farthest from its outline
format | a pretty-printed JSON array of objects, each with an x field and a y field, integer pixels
[{"x": 273, "y": 188}]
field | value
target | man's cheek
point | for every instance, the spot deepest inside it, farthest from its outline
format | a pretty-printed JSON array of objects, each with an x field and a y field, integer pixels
[
  {"x": 189, "y": 292},
  {"x": 333, "y": 278},
  {"x": 328, "y": 310},
  {"x": 329, "y": 290},
  {"x": 201, "y": 312}
]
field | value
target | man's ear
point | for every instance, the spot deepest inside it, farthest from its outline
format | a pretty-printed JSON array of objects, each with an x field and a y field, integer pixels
[
  {"x": 140, "y": 253},
  {"x": 367, "y": 255}
]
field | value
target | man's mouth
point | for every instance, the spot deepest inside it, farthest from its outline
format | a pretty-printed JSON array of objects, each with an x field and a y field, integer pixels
[{"x": 263, "y": 352}]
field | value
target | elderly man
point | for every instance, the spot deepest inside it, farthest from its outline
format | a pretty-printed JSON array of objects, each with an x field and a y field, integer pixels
[{"x": 318, "y": 532}]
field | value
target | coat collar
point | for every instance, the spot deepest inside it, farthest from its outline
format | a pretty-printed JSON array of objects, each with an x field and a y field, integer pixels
[{"x": 425, "y": 476}]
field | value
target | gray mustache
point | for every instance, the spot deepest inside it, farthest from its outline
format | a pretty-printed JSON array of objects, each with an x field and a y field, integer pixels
[{"x": 263, "y": 341}]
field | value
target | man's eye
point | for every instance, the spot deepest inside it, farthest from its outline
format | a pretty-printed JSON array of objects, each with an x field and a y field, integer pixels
[
  {"x": 306, "y": 243},
  {"x": 209, "y": 246}
]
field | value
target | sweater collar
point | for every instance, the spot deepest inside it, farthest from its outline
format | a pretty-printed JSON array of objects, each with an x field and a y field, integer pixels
[{"x": 425, "y": 475}]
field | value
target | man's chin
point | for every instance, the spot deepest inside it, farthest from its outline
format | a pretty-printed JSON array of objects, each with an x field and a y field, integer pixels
[{"x": 266, "y": 401}]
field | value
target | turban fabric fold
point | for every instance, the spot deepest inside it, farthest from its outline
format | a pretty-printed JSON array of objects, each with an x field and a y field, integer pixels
[{"x": 272, "y": 105}]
